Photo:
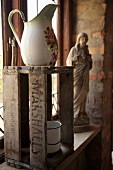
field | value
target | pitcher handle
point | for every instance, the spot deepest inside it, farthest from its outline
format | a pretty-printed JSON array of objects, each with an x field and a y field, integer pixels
[{"x": 11, "y": 25}]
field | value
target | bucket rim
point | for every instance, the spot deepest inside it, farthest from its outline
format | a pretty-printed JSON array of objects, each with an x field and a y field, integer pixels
[{"x": 50, "y": 128}]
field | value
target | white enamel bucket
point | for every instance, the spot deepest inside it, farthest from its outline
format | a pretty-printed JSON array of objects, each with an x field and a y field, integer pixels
[{"x": 53, "y": 136}]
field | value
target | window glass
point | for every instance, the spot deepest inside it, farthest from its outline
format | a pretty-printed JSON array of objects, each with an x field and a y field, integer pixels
[
  {"x": 31, "y": 9},
  {"x": 34, "y": 7}
]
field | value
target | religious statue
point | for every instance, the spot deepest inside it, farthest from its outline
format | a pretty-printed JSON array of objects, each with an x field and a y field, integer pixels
[{"x": 80, "y": 58}]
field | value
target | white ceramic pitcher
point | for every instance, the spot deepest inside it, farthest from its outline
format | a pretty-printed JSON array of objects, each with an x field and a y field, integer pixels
[{"x": 38, "y": 43}]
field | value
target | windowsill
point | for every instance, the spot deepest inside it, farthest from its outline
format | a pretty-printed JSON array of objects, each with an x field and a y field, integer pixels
[{"x": 81, "y": 140}]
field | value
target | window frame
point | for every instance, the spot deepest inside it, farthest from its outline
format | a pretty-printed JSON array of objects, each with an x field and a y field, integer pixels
[
  {"x": 64, "y": 29},
  {"x": 6, "y": 7}
]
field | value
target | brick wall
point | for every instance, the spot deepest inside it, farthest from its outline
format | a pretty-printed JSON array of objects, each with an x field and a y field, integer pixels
[{"x": 95, "y": 17}]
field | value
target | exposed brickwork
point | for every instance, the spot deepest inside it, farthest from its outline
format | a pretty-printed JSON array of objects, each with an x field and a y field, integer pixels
[
  {"x": 96, "y": 19},
  {"x": 97, "y": 50}
]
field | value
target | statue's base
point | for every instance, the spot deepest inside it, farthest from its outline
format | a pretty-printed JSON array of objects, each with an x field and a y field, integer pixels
[{"x": 82, "y": 128}]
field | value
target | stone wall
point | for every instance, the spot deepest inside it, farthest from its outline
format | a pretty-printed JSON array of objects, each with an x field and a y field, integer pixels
[{"x": 95, "y": 17}]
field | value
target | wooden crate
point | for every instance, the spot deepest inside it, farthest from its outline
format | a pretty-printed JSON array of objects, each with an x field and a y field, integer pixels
[{"x": 27, "y": 101}]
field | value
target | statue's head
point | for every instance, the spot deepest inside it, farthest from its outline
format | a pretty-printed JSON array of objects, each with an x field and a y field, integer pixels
[{"x": 82, "y": 38}]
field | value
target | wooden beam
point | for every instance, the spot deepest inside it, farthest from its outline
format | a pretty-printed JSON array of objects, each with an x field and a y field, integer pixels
[
  {"x": 6, "y": 7},
  {"x": 64, "y": 29},
  {"x": 67, "y": 32}
]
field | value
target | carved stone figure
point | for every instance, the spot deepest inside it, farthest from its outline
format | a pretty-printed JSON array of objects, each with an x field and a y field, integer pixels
[{"x": 80, "y": 58}]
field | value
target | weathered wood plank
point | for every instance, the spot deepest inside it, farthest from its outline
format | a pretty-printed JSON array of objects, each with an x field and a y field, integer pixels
[
  {"x": 40, "y": 69},
  {"x": 49, "y": 97},
  {"x": 11, "y": 102},
  {"x": 38, "y": 100}
]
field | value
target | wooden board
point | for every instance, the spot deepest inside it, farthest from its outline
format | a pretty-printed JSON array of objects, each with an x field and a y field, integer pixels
[
  {"x": 38, "y": 100},
  {"x": 66, "y": 107},
  {"x": 11, "y": 104}
]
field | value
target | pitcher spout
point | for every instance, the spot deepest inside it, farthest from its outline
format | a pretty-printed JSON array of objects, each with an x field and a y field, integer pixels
[{"x": 48, "y": 11}]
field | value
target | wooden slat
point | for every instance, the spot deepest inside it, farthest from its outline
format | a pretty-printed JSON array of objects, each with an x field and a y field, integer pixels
[
  {"x": 37, "y": 86},
  {"x": 11, "y": 104},
  {"x": 49, "y": 97},
  {"x": 66, "y": 106}
]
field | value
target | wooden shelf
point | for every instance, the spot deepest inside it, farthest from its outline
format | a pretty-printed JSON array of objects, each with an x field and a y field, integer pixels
[
  {"x": 81, "y": 140},
  {"x": 53, "y": 160}
]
